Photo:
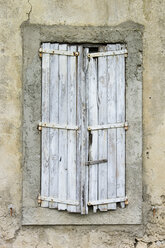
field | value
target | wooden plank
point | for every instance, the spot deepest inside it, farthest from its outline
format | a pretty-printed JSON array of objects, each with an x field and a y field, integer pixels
[
  {"x": 45, "y": 118},
  {"x": 72, "y": 135},
  {"x": 93, "y": 136},
  {"x": 102, "y": 95},
  {"x": 120, "y": 79},
  {"x": 54, "y": 158},
  {"x": 63, "y": 143},
  {"x": 80, "y": 168},
  {"x": 83, "y": 77},
  {"x": 112, "y": 106}
]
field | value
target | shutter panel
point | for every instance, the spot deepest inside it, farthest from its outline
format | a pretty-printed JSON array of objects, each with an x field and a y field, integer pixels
[
  {"x": 106, "y": 84},
  {"x": 83, "y": 135},
  {"x": 60, "y": 182}
]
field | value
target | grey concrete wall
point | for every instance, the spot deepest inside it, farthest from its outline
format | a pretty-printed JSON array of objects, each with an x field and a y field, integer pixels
[{"x": 149, "y": 13}]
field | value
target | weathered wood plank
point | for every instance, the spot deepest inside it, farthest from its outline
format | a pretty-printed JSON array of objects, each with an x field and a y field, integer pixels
[
  {"x": 63, "y": 143},
  {"x": 93, "y": 136},
  {"x": 102, "y": 102},
  {"x": 54, "y": 113},
  {"x": 83, "y": 75},
  {"x": 112, "y": 106},
  {"x": 45, "y": 118},
  {"x": 120, "y": 79},
  {"x": 80, "y": 168},
  {"x": 72, "y": 135}
]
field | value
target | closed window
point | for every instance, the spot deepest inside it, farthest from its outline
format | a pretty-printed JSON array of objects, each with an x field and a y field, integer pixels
[
  {"x": 83, "y": 127},
  {"x": 82, "y": 92}
]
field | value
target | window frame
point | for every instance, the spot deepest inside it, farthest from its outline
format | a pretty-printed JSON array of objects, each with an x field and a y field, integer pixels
[{"x": 129, "y": 34}]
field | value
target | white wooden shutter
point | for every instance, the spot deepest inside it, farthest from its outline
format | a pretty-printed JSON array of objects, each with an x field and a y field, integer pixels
[
  {"x": 83, "y": 120},
  {"x": 106, "y": 106},
  {"x": 60, "y": 177}
]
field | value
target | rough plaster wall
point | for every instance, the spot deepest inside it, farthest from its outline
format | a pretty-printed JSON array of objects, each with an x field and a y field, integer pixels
[{"x": 151, "y": 14}]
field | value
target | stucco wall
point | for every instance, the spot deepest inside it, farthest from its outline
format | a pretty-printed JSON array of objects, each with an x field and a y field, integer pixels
[{"x": 149, "y": 13}]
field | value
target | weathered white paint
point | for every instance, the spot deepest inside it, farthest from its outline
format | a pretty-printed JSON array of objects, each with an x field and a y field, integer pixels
[
  {"x": 54, "y": 117},
  {"x": 93, "y": 136},
  {"x": 102, "y": 119},
  {"x": 45, "y": 118},
  {"x": 72, "y": 135},
  {"x": 111, "y": 76},
  {"x": 120, "y": 79},
  {"x": 84, "y": 113},
  {"x": 84, "y": 75},
  {"x": 63, "y": 140},
  {"x": 79, "y": 150}
]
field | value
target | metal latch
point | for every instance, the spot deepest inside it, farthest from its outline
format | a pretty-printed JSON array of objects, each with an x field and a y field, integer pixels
[
  {"x": 57, "y": 52},
  {"x": 96, "y": 162}
]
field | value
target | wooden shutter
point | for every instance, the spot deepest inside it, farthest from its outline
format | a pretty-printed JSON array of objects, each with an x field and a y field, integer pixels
[
  {"x": 83, "y": 120},
  {"x": 60, "y": 177},
  {"x": 106, "y": 106}
]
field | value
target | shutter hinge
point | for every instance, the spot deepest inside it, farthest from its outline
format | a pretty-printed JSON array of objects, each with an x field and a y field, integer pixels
[
  {"x": 39, "y": 200},
  {"x": 57, "y": 52},
  {"x": 96, "y": 162},
  {"x": 109, "y": 126},
  {"x": 108, "y": 53},
  {"x": 56, "y": 126},
  {"x": 108, "y": 201},
  {"x": 52, "y": 199}
]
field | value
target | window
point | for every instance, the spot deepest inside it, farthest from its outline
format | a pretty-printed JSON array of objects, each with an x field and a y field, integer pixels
[
  {"x": 83, "y": 127},
  {"x": 88, "y": 141}
]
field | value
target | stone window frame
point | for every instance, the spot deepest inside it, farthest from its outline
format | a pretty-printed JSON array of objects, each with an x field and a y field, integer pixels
[{"x": 33, "y": 36}]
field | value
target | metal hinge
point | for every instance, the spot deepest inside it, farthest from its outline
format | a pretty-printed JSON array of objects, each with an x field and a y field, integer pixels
[
  {"x": 109, "y": 126},
  {"x": 108, "y": 53},
  {"x": 57, "y": 52},
  {"x": 101, "y": 161},
  {"x": 52, "y": 199},
  {"x": 56, "y": 126},
  {"x": 107, "y": 201}
]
